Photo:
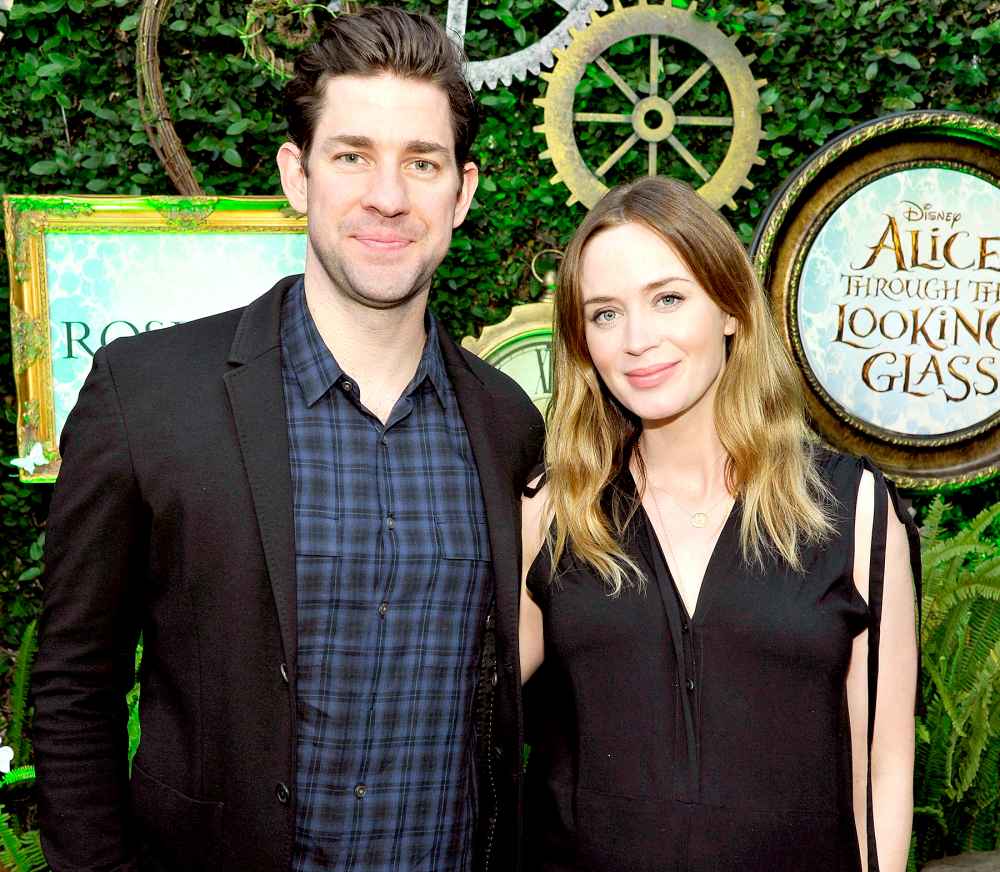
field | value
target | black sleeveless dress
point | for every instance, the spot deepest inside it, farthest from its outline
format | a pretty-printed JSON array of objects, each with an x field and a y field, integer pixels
[{"x": 717, "y": 741}]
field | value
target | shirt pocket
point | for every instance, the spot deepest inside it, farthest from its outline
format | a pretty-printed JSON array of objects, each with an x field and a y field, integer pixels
[
  {"x": 462, "y": 536},
  {"x": 321, "y": 534}
]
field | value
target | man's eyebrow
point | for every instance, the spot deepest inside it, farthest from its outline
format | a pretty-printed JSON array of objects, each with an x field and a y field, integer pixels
[
  {"x": 346, "y": 139},
  {"x": 414, "y": 146},
  {"x": 426, "y": 146}
]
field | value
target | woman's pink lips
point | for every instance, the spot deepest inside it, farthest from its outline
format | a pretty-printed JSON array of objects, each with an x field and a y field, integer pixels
[{"x": 650, "y": 376}]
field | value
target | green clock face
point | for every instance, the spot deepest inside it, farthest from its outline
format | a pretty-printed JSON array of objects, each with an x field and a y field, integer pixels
[{"x": 527, "y": 359}]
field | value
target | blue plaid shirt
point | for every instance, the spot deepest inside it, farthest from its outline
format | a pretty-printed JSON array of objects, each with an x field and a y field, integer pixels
[{"x": 393, "y": 582}]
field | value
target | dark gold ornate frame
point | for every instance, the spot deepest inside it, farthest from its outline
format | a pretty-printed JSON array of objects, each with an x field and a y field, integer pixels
[{"x": 786, "y": 233}]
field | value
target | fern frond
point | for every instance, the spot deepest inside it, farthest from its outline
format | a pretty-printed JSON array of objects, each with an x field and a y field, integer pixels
[
  {"x": 979, "y": 737},
  {"x": 983, "y": 521},
  {"x": 944, "y": 695},
  {"x": 972, "y": 590},
  {"x": 19, "y": 693},
  {"x": 932, "y": 520},
  {"x": 20, "y": 775},
  {"x": 19, "y": 853}
]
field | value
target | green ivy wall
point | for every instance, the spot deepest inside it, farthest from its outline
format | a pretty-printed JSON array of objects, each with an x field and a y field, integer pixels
[{"x": 70, "y": 123}]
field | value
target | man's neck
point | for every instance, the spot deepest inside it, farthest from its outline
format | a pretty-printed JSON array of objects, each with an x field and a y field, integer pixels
[{"x": 379, "y": 348}]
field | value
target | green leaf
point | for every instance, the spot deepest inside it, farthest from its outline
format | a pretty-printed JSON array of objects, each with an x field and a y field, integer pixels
[
  {"x": 906, "y": 59},
  {"x": 179, "y": 25},
  {"x": 31, "y": 573},
  {"x": 232, "y": 157},
  {"x": 44, "y": 168},
  {"x": 129, "y": 23},
  {"x": 871, "y": 71},
  {"x": 47, "y": 70},
  {"x": 238, "y": 127}
]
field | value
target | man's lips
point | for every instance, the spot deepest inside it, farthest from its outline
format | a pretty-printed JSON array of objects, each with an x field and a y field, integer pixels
[
  {"x": 382, "y": 241},
  {"x": 650, "y": 376}
]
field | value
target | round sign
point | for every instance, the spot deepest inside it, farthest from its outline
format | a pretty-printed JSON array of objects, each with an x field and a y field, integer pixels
[{"x": 882, "y": 259}]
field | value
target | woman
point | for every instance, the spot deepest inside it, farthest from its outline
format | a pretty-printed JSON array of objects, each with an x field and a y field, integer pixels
[{"x": 698, "y": 577}]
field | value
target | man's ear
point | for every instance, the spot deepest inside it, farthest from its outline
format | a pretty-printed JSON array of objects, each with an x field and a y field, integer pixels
[
  {"x": 293, "y": 176},
  {"x": 470, "y": 181}
]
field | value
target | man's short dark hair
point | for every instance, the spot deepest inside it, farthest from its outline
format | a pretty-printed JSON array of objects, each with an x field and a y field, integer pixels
[{"x": 377, "y": 40}]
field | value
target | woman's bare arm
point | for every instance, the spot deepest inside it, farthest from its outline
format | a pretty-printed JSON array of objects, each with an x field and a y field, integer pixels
[
  {"x": 893, "y": 743},
  {"x": 530, "y": 640}
]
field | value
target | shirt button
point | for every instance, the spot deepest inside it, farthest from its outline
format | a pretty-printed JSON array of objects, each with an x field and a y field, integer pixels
[
  {"x": 284, "y": 673},
  {"x": 281, "y": 791},
  {"x": 389, "y": 522},
  {"x": 685, "y": 627},
  {"x": 382, "y": 609},
  {"x": 345, "y": 386},
  {"x": 360, "y": 790},
  {"x": 689, "y": 684}
]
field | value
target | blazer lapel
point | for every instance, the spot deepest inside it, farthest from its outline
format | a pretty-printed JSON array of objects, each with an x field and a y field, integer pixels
[
  {"x": 502, "y": 504},
  {"x": 258, "y": 404}
]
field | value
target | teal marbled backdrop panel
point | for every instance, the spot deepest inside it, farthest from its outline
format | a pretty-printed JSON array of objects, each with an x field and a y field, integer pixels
[{"x": 103, "y": 286}]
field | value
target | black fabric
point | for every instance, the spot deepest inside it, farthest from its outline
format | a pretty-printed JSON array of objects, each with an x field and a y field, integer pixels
[
  {"x": 718, "y": 741},
  {"x": 172, "y": 516}
]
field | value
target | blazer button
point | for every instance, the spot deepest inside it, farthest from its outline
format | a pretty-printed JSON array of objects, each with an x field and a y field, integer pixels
[
  {"x": 689, "y": 684},
  {"x": 493, "y": 677},
  {"x": 282, "y": 792},
  {"x": 284, "y": 673}
]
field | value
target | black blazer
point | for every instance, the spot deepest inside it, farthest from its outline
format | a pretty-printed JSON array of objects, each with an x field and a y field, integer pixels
[{"x": 172, "y": 517}]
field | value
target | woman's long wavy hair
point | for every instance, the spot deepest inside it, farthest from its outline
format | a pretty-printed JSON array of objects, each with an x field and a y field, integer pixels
[{"x": 759, "y": 406}]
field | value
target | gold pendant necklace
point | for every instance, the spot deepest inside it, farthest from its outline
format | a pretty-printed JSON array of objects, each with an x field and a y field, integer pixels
[{"x": 696, "y": 519}]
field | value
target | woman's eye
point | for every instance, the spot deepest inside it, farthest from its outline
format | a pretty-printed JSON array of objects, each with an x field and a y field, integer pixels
[
  {"x": 605, "y": 316},
  {"x": 667, "y": 301}
]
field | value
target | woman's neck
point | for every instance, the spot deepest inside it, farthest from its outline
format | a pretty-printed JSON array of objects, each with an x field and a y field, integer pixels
[{"x": 684, "y": 458}]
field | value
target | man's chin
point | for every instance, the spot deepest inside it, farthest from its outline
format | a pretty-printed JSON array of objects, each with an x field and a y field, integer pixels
[{"x": 386, "y": 295}]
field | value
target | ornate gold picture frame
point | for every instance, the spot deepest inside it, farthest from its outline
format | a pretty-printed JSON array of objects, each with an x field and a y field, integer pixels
[{"x": 86, "y": 270}]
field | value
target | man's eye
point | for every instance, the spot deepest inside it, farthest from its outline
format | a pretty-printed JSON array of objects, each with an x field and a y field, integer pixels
[
  {"x": 424, "y": 166},
  {"x": 351, "y": 158}
]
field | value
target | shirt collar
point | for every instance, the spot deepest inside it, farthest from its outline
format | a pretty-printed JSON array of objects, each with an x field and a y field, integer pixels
[{"x": 317, "y": 370}]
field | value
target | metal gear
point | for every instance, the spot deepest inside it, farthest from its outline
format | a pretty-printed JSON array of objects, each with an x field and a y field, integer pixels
[
  {"x": 654, "y": 20},
  {"x": 529, "y": 59}
]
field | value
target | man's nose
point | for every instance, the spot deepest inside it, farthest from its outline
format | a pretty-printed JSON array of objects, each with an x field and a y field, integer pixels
[{"x": 387, "y": 193}]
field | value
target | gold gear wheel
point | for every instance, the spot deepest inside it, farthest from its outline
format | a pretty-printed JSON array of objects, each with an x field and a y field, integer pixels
[{"x": 653, "y": 20}]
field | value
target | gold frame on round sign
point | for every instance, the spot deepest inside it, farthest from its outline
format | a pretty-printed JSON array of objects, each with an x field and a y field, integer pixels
[{"x": 783, "y": 240}]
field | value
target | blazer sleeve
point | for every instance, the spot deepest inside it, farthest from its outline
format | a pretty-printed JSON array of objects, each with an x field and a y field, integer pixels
[{"x": 96, "y": 541}]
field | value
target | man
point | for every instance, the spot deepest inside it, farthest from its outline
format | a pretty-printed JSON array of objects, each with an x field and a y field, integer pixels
[{"x": 308, "y": 509}]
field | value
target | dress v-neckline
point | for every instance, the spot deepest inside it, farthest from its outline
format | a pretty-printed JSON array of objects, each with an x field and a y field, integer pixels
[{"x": 657, "y": 560}]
